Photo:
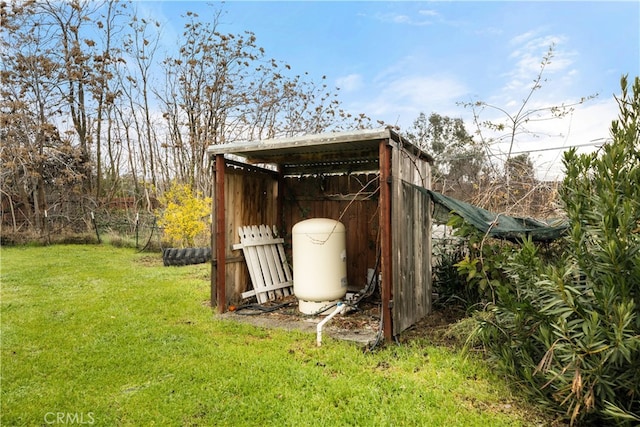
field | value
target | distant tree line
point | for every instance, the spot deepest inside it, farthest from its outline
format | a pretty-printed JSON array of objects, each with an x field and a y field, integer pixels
[{"x": 92, "y": 108}]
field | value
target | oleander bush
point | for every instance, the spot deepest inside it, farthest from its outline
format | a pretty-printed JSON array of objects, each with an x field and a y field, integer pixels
[{"x": 567, "y": 327}]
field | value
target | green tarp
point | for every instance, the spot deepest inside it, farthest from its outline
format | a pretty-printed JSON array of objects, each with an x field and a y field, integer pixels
[{"x": 497, "y": 225}]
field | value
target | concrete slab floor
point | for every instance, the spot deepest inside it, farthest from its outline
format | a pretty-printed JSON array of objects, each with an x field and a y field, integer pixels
[{"x": 359, "y": 326}]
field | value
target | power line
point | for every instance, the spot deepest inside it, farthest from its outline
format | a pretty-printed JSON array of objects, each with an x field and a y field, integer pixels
[
  {"x": 593, "y": 143},
  {"x": 590, "y": 144}
]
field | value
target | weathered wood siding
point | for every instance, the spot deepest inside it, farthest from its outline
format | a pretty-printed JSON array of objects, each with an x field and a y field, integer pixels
[
  {"x": 250, "y": 199},
  {"x": 411, "y": 240},
  {"x": 350, "y": 199}
]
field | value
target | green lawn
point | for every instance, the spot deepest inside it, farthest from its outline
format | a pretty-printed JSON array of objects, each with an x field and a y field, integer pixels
[{"x": 105, "y": 336}]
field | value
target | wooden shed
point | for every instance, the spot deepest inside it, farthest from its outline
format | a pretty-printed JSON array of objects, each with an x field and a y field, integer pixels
[{"x": 366, "y": 179}]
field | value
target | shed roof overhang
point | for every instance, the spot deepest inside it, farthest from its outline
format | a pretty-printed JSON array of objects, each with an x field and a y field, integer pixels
[{"x": 334, "y": 152}]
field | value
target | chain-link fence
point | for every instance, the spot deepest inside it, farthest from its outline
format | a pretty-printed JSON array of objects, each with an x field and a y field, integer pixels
[{"x": 83, "y": 223}]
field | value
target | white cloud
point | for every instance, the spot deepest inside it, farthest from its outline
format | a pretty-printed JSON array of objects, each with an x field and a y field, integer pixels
[
  {"x": 400, "y": 19},
  {"x": 350, "y": 82},
  {"x": 491, "y": 31},
  {"x": 529, "y": 51},
  {"x": 396, "y": 18},
  {"x": 399, "y": 99},
  {"x": 522, "y": 38},
  {"x": 168, "y": 32},
  {"x": 586, "y": 127},
  {"x": 417, "y": 90},
  {"x": 428, "y": 12}
]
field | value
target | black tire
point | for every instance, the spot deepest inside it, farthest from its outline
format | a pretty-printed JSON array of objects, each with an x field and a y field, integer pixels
[
  {"x": 202, "y": 255},
  {"x": 185, "y": 256},
  {"x": 167, "y": 255}
]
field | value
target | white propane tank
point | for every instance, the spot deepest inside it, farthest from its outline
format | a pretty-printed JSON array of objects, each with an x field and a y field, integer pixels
[{"x": 319, "y": 264}]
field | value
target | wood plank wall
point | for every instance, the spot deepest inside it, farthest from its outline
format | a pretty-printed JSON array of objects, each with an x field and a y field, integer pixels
[
  {"x": 411, "y": 240},
  {"x": 350, "y": 199},
  {"x": 250, "y": 199}
]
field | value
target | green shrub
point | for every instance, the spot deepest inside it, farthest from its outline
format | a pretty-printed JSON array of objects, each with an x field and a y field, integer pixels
[
  {"x": 450, "y": 286},
  {"x": 568, "y": 327},
  {"x": 481, "y": 266},
  {"x": 597, "y": 336}
]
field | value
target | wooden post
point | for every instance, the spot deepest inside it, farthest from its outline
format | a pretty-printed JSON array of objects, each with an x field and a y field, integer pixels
[
  {"x": 220, "y": 247},
  {"x": 385, "y": 237},
  {"x": 280, "y": 205},
  {"x": 214, "y": 256}
]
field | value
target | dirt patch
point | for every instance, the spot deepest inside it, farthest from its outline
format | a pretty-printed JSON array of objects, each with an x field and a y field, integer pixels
[
  {"x": 361, "y": 325},
  {"x": 439, "y": 327},
  {"x": 149, "y": 260}
]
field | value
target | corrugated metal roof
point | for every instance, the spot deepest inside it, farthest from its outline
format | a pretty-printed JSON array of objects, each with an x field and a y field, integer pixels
[{"x": 336, "y": 152}]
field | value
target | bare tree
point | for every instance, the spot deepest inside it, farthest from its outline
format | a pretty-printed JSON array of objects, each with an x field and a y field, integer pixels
[
  {"x": 221, "y": 87},
  {"x": 104, "y": 87},
  {"x": 141, "y": 45},
  {"x": 80, "y": 101},
  {"x": 32, "y": 147},
  {"x": 64, "y": 21},
  {"x": 514, "y": 125},
  {"x": 206, "y": 89}
]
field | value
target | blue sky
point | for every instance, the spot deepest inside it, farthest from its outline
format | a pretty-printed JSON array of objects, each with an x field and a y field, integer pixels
[{"x": 393, "y": 60}]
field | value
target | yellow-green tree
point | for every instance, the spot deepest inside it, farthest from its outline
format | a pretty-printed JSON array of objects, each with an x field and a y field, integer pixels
[{"x": 186, "y": 215}]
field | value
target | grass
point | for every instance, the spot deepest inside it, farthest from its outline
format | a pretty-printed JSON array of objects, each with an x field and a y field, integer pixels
[{"x": 105, "y": 336}]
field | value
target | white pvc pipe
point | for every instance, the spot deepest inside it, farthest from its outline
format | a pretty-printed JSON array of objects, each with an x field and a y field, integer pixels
[{"x": 339, "y": 308}]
